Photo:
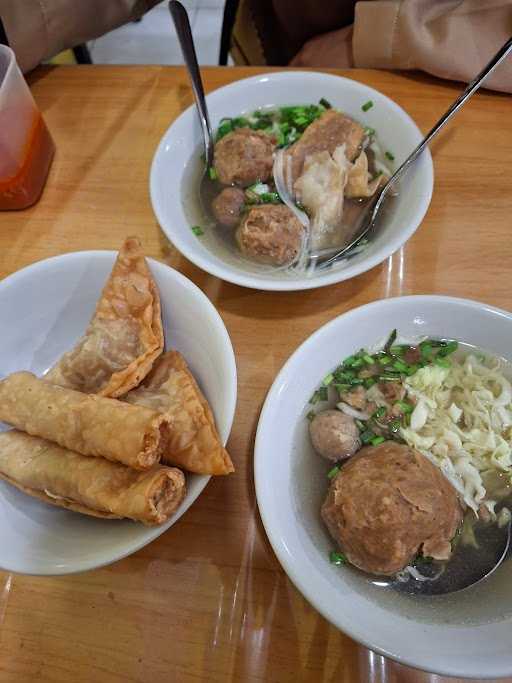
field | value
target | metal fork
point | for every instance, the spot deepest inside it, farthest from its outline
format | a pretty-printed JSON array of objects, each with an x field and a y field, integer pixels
[{"x": 369, "y": 216}]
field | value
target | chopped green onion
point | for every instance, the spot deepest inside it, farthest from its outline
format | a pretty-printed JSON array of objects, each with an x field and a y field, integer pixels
[
  {"x": 367, "y": 105},
  {"x": 442, "y": 362},
  {"x": 311, "y": 415},
  {"x": 197, "y": 230},
  {"x": 426, "y": 350},
  {"x": 341, "y": 388},
  {"x": 368, "y": 382},
  {"x": 367, "y": 436},
  {"x": 391, "y": 340},
  {"x": 356, "y": 381},
  {"x": 377, "y": 440},
  {"x": 380, "y": 412},
  {"x": 325, "y": 103},
  {"x": 384, "y": 360},
  {"x": 400, "y": 366},
  {"x": 394, "y": 426},
  {"x": 240, "y": 122},
  {"x": 328, "y": 379},
  {"x": 360, "y": 425},
  {"x": 368, "y": 359},
  {"x": 332, "y": 473},
  {"x": 398, "y": 350},
  {"x": 448, "y": 349},
  {"x": 357, "y": 363},
  {"x": 389, "y": 378},
  {"x": 212, "y": 172},
  {"x": 412, "y": 369},
  {"x": 405, "y": 407},
  {"x": 390, "y": 156},
  {"x": 270, "y": 198},
  {"x": 369, "y": 131},
  {"x": 337, "y": 558},
  {"x": 348, "y": 361}
]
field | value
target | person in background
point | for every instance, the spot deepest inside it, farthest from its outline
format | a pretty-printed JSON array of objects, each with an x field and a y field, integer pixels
[
  {"x": 39, "y": 29},
  {"x": 447, "y": 38}
]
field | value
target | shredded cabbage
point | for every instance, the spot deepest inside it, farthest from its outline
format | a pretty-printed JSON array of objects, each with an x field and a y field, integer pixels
[{"x": 462, "y": 423}]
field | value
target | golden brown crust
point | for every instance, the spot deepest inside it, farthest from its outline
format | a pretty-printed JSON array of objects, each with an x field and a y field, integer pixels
[
  {"x": 125, "y": 335},
  {"x": 194, "y": 442},
  {"x": 93, "y": 486}
]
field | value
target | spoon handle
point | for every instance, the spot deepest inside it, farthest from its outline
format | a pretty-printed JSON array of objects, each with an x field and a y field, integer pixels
[
  {"x": 180, "y": 18},
  {"x": 463, "y": 97}
]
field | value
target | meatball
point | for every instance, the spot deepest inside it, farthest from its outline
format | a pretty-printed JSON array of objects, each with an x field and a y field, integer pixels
[
  {"x": 271, "y": 234},
  {"x": 388, "y": 503},
  {"x": 334, "y": 435},
  {"x": 244, "y": 157},
  {"x": 331, "y": 130},
  {"x": 228, "y": 205}
]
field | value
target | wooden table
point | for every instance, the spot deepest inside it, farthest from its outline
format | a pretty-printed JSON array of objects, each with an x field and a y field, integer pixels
[{"x": 208, "y": 599}]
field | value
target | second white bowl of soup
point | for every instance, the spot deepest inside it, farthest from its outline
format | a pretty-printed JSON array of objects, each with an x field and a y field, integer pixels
[{"x": 339, "y": 140}]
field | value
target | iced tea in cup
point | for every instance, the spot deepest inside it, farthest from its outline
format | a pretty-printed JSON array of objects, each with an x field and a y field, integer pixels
[{"x": 26, "y": 147}]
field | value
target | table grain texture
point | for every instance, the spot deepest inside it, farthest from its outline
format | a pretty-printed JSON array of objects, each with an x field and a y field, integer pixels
[{"x": 208, "y": 599}]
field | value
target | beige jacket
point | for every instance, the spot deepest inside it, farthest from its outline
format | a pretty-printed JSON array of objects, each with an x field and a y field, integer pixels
[
  {"x": 40, "y": 29},
  {"x": 448, "y": 38}
]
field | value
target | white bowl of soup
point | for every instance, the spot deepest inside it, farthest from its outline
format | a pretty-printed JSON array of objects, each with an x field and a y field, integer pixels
[
  {"x": 342, "y": 139},
  {"x": 460, "y": 634}
]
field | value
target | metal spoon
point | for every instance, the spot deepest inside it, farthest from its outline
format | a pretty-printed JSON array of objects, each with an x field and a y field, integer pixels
[
  {"x": 369, "y": 216},
  {"x": 467, "y": 566},
  {"x": 180, "y": 18}
]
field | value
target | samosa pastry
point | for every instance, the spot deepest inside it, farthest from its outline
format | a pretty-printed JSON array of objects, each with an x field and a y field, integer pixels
[
  {"x": 93, "y": 486},
  {"x": 85, "y": 423},
  {"x": 194, "y": 443},
  {"x": 125, "y": 335}
]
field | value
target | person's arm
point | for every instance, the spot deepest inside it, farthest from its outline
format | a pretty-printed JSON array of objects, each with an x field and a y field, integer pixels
[
  {"x": 39, "y": 29},
  {"x": 451, "y": 39}
]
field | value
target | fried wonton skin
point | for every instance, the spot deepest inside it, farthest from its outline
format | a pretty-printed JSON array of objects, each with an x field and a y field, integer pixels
[
  {"x": 125, "y": 335},
  {"x": 92, "y": 486},
  {"x": 194, "y": 443},
  {"x": 84, "y": 423},
  {"x": 359, "y": 184}
]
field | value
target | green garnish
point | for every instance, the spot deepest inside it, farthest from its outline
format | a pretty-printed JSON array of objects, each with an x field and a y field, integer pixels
[
  {"x": 398, "y": 350},
  {"x": 212, "y": 172},
  {"x": 394, "y": 426},
  {"x": 450, "y": 347},
  {"x": 368, "y": 382},
  {"x": 319, "y": 395},
  {"x": 400, "y": 366},
  {"x": 384, "y": 360},
  {"x": 337, "y": 558},
  {"x": 341, "y": 388},
  {"x": 405, "y": 407},
  {"x": 367, "y": 436},
  {"x": 442, "y": 362},
  {"x": 270, "y": 198},
  {"x": 328, "y": 379},
  {"x": 332, "y": 473},
  {"x": 368, "y": 359},
  {"x": 391, "y": 340},
  {"x": 426, "y": 350},
  {"x": 311, "y": 415},
  {"x": 367, "y": 105},
  {"x": 369, "y": 131},
  {"x": 377, "y": 440},
  {"x": 380, "y": 412},
  {"x": 197, "y": 230},
  {"x": 389, "y": 378},
  {"x": 390, "y": 156},
  {"x": 325, "y": 103}
]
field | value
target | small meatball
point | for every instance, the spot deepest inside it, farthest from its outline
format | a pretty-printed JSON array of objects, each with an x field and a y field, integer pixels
[
  {"x": 392, "y": 391},
  {"x": 244, "y": 157},
  {"x": 272, "y": 234},
  {"x": 387, "y": 504},
  {"x": 228, "y": 205},
  {"x": 327, "y": 133},
  {"x": 334, "y": 435}
]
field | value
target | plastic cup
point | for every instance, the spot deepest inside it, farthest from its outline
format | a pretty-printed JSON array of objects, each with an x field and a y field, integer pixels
[{"x": 26, "y": 147}]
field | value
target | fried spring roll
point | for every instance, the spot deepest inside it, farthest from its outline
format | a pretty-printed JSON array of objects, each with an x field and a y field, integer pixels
[
  {"x": 92, "y": 486},
  {"x": 84, "y": 423}
]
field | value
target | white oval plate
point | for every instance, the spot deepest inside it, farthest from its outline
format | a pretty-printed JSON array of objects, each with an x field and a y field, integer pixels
[
  {"x": 397, "y": 132},
  {"x": 467, "y": 634},
  {"x": 44, "y": 309}
]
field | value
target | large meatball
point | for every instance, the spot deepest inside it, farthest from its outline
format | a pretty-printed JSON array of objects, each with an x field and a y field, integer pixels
[
  {"x": 272, "y": 234},
  {"x": 228, "y": 205},
  {"x": 331, "y": 130},
  {"x": 387, "y": 504},
  {"x": 244, "y": 157},
  {"x": 334, "y": 435}
]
